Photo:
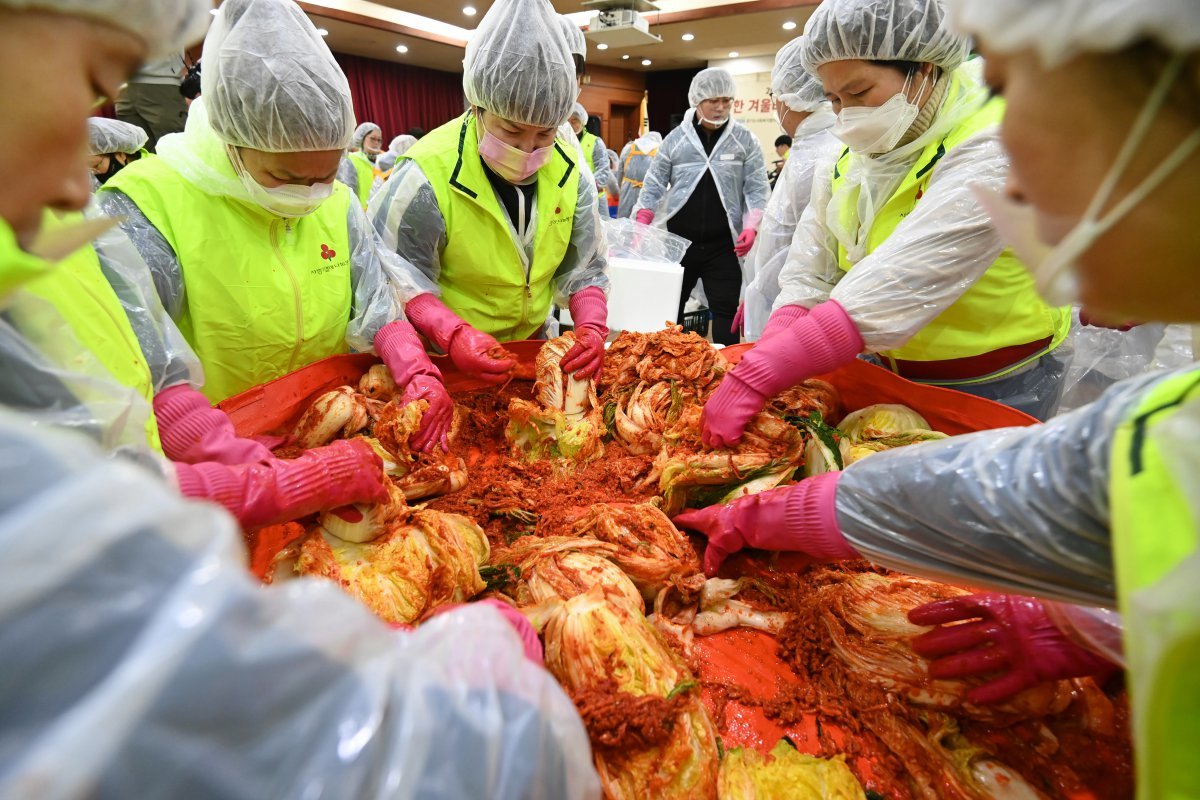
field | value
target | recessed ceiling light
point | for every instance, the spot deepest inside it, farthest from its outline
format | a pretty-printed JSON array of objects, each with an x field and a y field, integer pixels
[
  {"x": 789, "y": 26},
  {"x": 401, "y": 48},
  {"x": 687, "y": 37},
  {"x": 733, "y": 53},
  {"x": 602, "y": 46},
  {"x": 470, "y": 11},
  {"x": 625, "y": 57},
  {"x": 322, "y": 31},
  {"x": 646, "y": 62}
]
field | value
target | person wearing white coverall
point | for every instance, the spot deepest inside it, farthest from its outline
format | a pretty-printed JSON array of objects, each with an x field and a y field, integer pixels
[
  {"x": 895, "y": 255},
  {"x": 710, "y": 182},
  {"x": 496, "y": 209},
  {"x": 140, "y": 618},
  {"x": 632, "y": 166},
  {"x": 262, "y": 259},
  {"x": 1099, "y": 506},
  {"x": 806, "y": 116},
  {"x": 111, "y": 145},
  {"x": 358, "y": 167}
]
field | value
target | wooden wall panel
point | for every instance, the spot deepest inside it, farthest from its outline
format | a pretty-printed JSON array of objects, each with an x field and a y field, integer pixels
[{"x": 609, "y": 94}]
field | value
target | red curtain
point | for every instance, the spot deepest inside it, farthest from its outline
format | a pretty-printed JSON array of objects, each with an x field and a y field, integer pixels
[{"x": 397, "y": 97}]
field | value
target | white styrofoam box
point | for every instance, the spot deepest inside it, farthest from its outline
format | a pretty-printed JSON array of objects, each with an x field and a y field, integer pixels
[{"x": 644, "y": 295}]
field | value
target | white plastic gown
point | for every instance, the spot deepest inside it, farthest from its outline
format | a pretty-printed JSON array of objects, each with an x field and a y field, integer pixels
[
  {"x": 932, "y": 257},
  {"x": 736, "y": 163},
  {"x": 1021, "y": 510},
  {"x": 812, "y": 143},
  {"x": 407, "y": 217},
  {"x": 632, "y": 169},
  {"x": 143, "y": 660}
]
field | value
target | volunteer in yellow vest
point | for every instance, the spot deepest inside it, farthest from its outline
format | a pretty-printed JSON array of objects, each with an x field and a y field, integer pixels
[
  {"x": 1097, "y": 508},
  {"x": 492, "y": 206},
  {"x": 111, "y": 145},
  {"x": 632, "y": 167},
  {"x": 358, "y": 170},
  {"x": 594, "y": 149},
  {"x": 264, "y": 262},
  {"x": 896, "y": 256}
]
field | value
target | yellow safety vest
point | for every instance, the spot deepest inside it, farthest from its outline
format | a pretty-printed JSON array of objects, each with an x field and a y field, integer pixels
[
  {"x": 587, "y": 143},
  {"x": 1154, "y": 538},
  {"x": 485, "y": 278},
  {"x": 264, "y": 295},
  {"x": 17, "y": 267},
  {"x": 1002, "y": 308},
  {"x": 366, "y": 176}
]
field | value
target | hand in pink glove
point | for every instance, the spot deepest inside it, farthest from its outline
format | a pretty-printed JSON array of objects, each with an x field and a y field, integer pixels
[
  {"x": 645, "y": 216},
  {"x": 814, "y": 343},
  {"x": 524, "y": 629},
  {"x": 277, "y": 491},
  {"x": 589, "y": 312},
  {"x": 399, "y": 347},
  {"x": 192, "y": 431},
  {"x": 470, "y": 349},
  {"x": 799, "y": 518},
  {"x": 739, "y": 320},
  {"x": 744, "y": 242},
  {"x": 781, "y": 319},
  {"x": 1010, "y": 638}
]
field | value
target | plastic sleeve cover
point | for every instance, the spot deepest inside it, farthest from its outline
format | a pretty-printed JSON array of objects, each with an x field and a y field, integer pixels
[
  {"x": 406, "y": 215},
  {"x": 151, "y": 245},
  {"x": 1098, "y": 629},
  {"x": 170, "y": 358},
  {"x": 1019, "y": 510},
  {"x": 599, "y": 162},
  {"x": 347, "y": 174},
  {"x": 658, "y": 178},
  {"x": 147, "y": 625},
  {"x": 756, "y": 189},
  {"x": 382, "y": 281},
  {"x": 586, "y": 260}
]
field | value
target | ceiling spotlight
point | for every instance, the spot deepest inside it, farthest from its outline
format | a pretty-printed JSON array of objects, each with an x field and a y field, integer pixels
[
  {"x": 733, "y": 53},
  {"x": 687, "y": 37},
  {"x": 470, "y": 11},
  {"x": 322, "y": 31},
  {"x": 602, "y": 46},
  {"x": 625, "y": 57},
  {"x": 646, "y": 62},
  {"x": 402, "y": 48},
  {"x": 789, "y": 26}
]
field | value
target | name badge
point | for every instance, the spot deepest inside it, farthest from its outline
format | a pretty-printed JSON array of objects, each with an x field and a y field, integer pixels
[{"x": 728, "y": 157}]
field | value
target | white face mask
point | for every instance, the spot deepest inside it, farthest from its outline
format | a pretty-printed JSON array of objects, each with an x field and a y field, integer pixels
[
  {"x": 289, "y": 200},
  {"x": 874, "y": 130},
  {"x": 1053, "y": 266}
]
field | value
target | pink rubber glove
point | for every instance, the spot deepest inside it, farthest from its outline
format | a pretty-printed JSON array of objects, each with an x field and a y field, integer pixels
[
  {"x": 782, "y": 319},
  {"x": 399, "y": 347},
  {"x": 278, "y": 491},
  {"x": 800, "y": 518},
  {"x": 1008, "y": 636},
  {"x": 524, "y": 629},
  {"x": 467, "y": 347},
  {"x": 739, "y": 320},
  {"x": 817, "y": 342},
  {"x": 744, "y": 242},
  {"x": 645, "y": 216},
  {"x": 192, "y": 431},
  {"x": 589, "y": 312}
]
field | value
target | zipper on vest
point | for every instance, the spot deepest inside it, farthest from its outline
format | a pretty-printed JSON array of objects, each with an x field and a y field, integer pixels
[{"x": 298, "y": 303}]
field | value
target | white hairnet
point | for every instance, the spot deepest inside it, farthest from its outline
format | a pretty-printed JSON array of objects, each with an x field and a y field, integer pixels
[
  {"x": 518, "y": 65},
  {"x": 579, "y": 113},
  {"x": 574, "y": 36},
  {"x": 796, "y": 87},
  {"x": 166, "y": 26},
  {"x": 400, "y": 145},
  {"x": 114, "y": 136},
  {"x": 710, "y": 83},
  {"x": 270, "y": 82},
  {"x": 1060, "y": 29},
  {"x": 882, "y": 30},
  {"x": 362, "y": 132}
]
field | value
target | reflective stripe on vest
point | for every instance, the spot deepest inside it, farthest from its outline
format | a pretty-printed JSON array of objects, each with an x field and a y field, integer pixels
[
  {"x": 365, "y": 171},
  {"x": 484, "y": 277},
  {"x": 263, "y": 296},
  {"x": 80, "y": 293},
  {"x": 1154, "y": 538},
  {"x": 633, "y": 151},
  {"x": 1002, "y": 308}
]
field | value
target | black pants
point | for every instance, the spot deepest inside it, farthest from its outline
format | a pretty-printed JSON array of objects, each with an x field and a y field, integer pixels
[{"x": 716, "y": 266}]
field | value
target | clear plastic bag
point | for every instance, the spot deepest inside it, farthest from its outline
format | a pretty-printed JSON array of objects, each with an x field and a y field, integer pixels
[{"x": 630, "y": 239}]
